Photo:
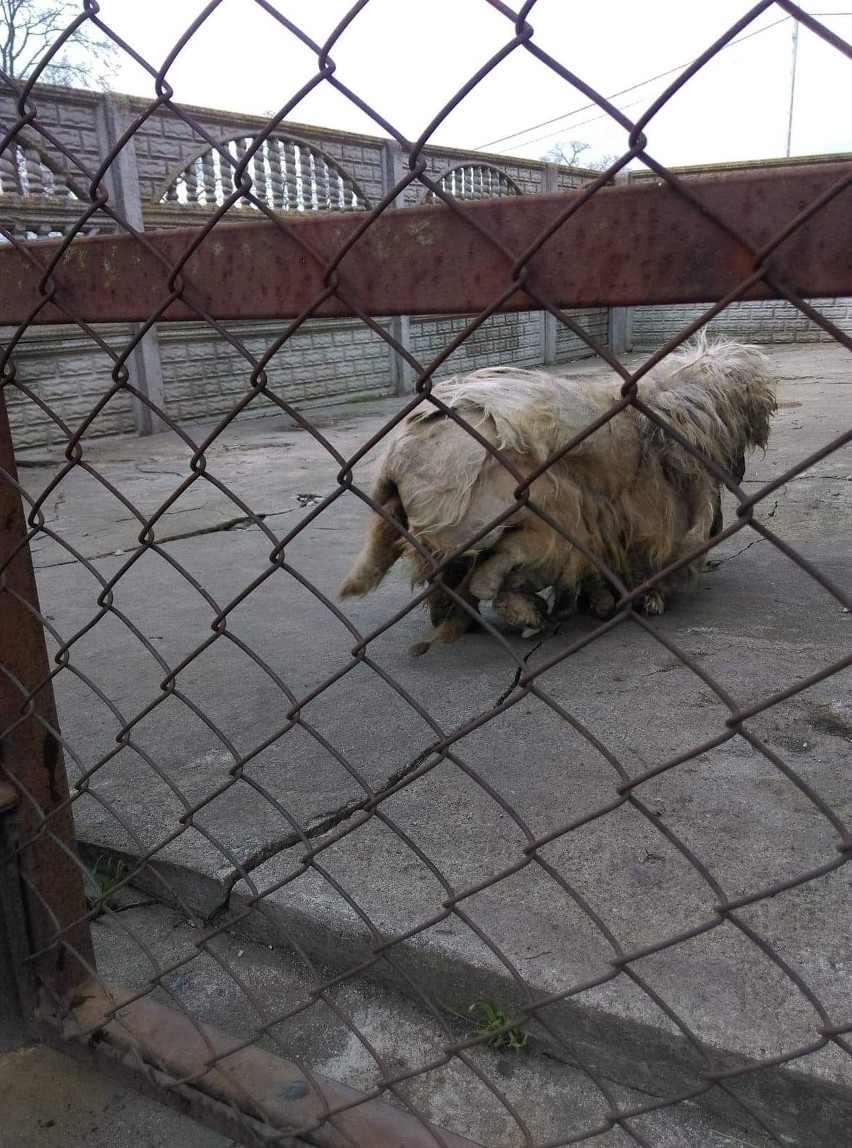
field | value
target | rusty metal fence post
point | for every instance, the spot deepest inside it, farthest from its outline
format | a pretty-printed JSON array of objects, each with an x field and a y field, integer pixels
[{"x": 32, "y": 769}]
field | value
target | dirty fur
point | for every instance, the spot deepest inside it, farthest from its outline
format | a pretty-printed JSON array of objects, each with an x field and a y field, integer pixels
[{"x": 629, "y": 494}]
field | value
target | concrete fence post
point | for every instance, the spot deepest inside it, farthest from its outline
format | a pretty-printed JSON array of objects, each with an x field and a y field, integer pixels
[
  {"x": 122, "y": 180},
  {"x": 549, "y": 325},
  {"x": 402, "y": 375}
]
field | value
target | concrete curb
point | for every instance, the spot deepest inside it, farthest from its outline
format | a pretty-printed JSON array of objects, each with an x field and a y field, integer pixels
[{"x": 801, "y": 1110}]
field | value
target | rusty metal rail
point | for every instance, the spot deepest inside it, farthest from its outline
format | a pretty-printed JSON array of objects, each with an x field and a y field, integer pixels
[{"x": 742, "y": 234}]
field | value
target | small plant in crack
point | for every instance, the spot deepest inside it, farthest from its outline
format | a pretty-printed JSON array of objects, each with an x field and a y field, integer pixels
[
  {"x": 106, "y": 889},
  {"x": 492, "y": 1023},
  {"x": 105, "y": 875}
]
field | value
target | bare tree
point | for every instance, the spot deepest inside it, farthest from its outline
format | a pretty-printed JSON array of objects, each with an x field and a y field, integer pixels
[
  {"x": 28, "y": 28},
  {"x": 569, "y": 153}
]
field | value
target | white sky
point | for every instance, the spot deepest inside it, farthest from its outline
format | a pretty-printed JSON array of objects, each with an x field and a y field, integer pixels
[{"x": 407, "y": 57}]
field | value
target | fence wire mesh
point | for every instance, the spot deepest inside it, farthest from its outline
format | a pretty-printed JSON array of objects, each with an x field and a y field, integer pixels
[{"x": 603, "y": 899}]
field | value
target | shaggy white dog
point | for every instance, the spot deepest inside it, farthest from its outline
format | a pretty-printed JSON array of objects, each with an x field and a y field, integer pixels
[{"x": 628, "y": 499}]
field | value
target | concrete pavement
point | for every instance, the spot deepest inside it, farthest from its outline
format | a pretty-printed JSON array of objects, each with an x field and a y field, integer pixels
[{"x": 756, "y": 623}]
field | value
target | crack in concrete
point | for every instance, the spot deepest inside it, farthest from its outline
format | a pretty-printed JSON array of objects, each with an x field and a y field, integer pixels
[
  {"x": 330, "y": 819},
  {"x": 244, "y": 522},
  {"x": 321, "y": 824}
]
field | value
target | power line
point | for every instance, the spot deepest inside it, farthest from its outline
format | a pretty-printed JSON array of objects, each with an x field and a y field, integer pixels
[{"x": 624, "y": 91}]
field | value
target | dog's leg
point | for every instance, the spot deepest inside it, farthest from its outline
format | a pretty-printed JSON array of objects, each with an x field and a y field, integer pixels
[
  {"x": 717, "y": 523},
  {"x": 450, "y": 619},
  {"x": 596, "y": 597},
  {"x": 492, "y": 573},
  {"x": 382, "y": 546},
  {"x": 565, "y": 601}
]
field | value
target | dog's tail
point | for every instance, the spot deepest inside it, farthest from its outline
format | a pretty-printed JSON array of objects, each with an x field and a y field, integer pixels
[
  {"x": 383, "y": 544},
  {"x": 719, "y": 397}
]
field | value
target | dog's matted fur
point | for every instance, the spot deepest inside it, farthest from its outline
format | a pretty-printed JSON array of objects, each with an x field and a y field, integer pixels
[{"x": 629, "y": 493}]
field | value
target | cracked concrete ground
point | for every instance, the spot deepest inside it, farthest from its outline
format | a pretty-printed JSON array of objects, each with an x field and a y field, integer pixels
[{"x": 755, "y": 622}]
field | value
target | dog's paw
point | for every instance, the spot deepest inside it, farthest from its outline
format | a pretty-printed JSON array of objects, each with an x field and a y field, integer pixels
[
  {"x": 564, "y": 603},
  {"x": 652, "y": 603},
  {"x": 601, "y": 601},
  {"x": 520, "y": 611}
]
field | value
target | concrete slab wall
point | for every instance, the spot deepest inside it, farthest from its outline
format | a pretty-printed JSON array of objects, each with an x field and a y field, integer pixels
[{"x": 771, "y": 322}]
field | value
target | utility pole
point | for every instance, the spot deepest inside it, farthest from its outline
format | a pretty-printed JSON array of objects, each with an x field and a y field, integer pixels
[{"x": 792, "y": 84}]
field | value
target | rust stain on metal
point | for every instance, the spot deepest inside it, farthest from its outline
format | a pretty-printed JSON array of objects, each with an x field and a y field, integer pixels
[
  {"x": 627, "y": 245},
  {"x": 262, "y": 1085}
]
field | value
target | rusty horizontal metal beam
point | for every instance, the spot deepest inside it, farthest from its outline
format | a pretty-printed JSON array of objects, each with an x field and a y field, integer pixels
[
  {"x": 260, "y": 1085},
  {"x": 626, "y": 245}
]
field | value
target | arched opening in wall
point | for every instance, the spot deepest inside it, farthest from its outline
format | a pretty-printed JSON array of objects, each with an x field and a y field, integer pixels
[
  {"x": 474, "y": 181},
  {"x": 284, "y": 173},
  {"x": 35, "y": 193}
]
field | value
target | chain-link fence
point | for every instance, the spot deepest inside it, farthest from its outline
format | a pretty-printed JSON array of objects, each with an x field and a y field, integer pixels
[{"x": 577, "y": 874}]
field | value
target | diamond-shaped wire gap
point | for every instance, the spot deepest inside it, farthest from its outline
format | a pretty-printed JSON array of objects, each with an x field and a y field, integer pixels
[
  {"x": 203, "y": 943},
  {"x": 711, "y": 98},
  {"x": 818, "y": 815},
  {"x": 275, "y": 934},
  {"x": 418, "y": 928},
  {"x": 63, "y": 158},
  {"x": 650, "y": 888},
  {"x": 699, "y": 65},
  {"x": 775, "y": 831},
  {"x": 49, "y": 364},
  {"x": 28, "y": 411},
  {"x": 709, "y": 634},
  {"x": 403, "y": 876},
  {"x": 587, "y": 664},
  {"x": 688, "y": 191},
  {"x": 305, "y": 371},
  {"x": 732, "y": 997},
  {"x": 302, "y": 68},
  {"x": 275, "y": 749},
  {"x": 119, "y": 620},
  {"x": 166, "y": 939},
  {"x": 818, "y": 908},
  {"x": 156, "y": 960},
  {"x": 99, "y": 508},
  {"x": 389, "y": 26}
]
